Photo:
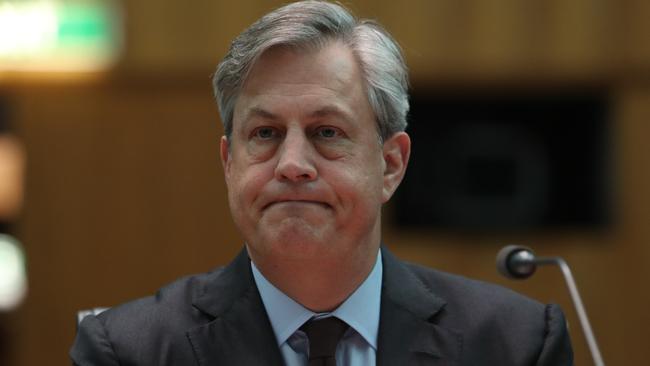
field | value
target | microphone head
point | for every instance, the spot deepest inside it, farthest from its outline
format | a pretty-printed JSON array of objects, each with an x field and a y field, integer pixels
[{"x": 516, "y": 261}]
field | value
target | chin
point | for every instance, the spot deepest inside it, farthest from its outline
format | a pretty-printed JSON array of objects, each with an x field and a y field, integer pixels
[{"x": 299, "y": 239}]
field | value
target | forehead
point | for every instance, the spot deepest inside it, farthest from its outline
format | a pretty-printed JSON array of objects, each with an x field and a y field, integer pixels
[
  {"x": 307, "y": 78},
  {"x": 332, "y": 63}
]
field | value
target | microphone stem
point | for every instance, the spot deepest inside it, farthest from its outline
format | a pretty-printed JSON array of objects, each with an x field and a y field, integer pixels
[{"x": 577, "y": 302}]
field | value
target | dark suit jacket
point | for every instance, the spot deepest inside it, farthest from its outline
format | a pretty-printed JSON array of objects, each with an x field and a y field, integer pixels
[{"x": 427, "y": 318}]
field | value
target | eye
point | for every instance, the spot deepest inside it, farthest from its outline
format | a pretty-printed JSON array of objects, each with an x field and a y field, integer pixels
[
  {"x": 328, "y": 132},
  {"x": 264, "y": 133}
]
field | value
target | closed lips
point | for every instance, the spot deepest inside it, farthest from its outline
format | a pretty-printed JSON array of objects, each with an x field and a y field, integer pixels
[{"x": 291, "y": 201}]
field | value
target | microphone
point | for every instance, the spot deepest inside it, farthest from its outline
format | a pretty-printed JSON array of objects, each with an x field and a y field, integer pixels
[{"x": 519, "y": 262}]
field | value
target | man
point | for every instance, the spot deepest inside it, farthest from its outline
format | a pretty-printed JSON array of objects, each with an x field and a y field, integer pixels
[{"x": 314, "y": 107}]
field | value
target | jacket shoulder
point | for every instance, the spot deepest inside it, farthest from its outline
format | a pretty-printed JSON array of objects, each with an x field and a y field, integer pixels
[
  {"x": 150, "y": 330},
  {"x": 170, "y": 306},
  {"x": 492, "y": 317},
  {"x": 465, "y": 292}
]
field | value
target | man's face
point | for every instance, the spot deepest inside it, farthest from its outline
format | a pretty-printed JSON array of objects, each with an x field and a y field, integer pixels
[{"x": 305, "y": 170}]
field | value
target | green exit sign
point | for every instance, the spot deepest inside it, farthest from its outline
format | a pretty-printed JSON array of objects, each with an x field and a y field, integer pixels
[
  {"x": 59, "y": 35},
  {"x": 84, "y": 24}
]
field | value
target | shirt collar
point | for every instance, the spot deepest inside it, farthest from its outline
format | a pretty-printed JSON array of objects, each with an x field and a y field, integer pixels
[{"x": 360, "y": 310}]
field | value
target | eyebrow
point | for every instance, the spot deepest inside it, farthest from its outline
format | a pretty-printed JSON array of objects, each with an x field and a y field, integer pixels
[
  {"x": 322, "y": 112},
  {"x": 259, "y": 112}
]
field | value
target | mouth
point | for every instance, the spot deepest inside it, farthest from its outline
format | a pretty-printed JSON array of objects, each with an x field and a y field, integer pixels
[{"x": 296, "y": 203}]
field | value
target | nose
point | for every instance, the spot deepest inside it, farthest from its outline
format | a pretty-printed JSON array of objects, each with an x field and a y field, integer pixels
[{"x": 295, "y": 161}]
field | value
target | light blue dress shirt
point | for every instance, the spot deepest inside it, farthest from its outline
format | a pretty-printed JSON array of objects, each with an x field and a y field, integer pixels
[{"x": 360, "y": 311}]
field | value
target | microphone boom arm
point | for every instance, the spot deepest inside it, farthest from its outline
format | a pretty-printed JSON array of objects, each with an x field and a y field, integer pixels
[
  {"x": 577, "y": 302},
  {"x": 519, "y": 262}
]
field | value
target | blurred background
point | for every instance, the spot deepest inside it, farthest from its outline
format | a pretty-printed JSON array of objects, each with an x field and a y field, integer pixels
[{"x": 530, "y": 124}]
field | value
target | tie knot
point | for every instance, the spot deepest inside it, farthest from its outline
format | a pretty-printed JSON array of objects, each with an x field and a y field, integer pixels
[{"x": 324, "y": 335}]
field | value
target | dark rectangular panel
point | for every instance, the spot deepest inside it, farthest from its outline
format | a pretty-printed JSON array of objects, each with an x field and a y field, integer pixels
[{"x": 508, "y": 160}]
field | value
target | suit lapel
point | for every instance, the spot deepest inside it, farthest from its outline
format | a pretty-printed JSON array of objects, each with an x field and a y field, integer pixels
[
  {"x": 408, "y": 334},
  {"x": 240, "y": 332}
]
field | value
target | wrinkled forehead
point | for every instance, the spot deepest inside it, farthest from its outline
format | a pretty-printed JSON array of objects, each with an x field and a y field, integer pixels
[
  {"x": 333, "y": 66},
  {"x": 304, "y": 51}
]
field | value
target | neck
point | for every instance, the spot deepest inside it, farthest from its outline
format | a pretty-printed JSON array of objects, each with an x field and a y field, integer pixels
[{"x": 322, "y": 284}]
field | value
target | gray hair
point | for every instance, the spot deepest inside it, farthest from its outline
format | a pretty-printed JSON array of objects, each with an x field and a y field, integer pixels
[{"x": 313, "y": 24}]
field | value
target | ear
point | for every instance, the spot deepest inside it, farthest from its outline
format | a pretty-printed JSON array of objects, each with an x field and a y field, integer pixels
[
  {"x": 225, "y": 156},
  {"x": 396, "y": 151}
]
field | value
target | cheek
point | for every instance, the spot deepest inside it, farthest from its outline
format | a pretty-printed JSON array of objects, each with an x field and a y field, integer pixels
[
  {"x": 261, "y": 150},
  {"x": 335, "y": 149},
  {"x": 246, "y": 183},
  {"x": 359, "y": 184}
]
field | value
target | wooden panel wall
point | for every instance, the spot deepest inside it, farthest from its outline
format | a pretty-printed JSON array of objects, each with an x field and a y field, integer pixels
[{"x": 125, "y": 191}]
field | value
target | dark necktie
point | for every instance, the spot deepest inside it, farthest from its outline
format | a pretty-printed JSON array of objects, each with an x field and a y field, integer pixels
[{"x": 324, "y": 335}]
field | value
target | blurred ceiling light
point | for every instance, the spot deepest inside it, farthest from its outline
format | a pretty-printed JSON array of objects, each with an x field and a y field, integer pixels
[
  {"x": 13, "y": 277},
  {"x": 51, "y": 35}
]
